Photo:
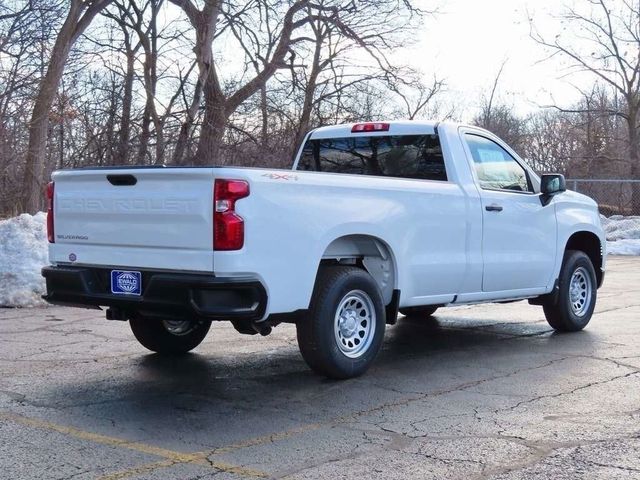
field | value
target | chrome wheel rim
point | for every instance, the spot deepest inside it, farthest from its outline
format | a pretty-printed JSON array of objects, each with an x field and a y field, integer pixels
[
  {"x": 580, "y": 291},
  {"x": 179, "y": 327},
  {"x": 354, "y": 323}
]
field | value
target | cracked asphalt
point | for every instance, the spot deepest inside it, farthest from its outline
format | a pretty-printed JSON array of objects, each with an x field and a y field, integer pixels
[{"x": 472, "y": 393}]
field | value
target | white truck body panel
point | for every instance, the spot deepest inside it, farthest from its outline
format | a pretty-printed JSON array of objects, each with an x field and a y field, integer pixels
[
  {"x": 445, "y": 246},
  {"x": 163, "y": 221},
  {"x": 287, "y": 240}
]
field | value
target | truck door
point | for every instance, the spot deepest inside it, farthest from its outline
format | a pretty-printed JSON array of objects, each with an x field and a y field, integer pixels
[{"x": 518, "y": 234}]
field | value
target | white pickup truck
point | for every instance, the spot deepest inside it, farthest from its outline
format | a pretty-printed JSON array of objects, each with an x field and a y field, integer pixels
[{"x": 374, "y": 218}]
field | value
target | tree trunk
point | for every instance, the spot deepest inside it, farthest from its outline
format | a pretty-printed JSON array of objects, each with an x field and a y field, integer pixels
[
  {"x": 151, "y": 79},
  {"x": 264, "y": 134},
  {"x": 309, "y": 91},
  {"x": 634, "y": 151},
  {"x": 150, "y": 114},
  {"x": 185, "y": 128},
  {"x": 213, "y": 126},
  {"x": 125, "y": 120},
  {"x": 63, "y": 106},
  {"x": 181, "y": 143},
  {"x": 144, "y": 135},
  {"x": 38, "y": 129},
  {"x": 219, "y": 107},
  {"x": 307, "y": 108},
  {"x": 74, "y": 25}
]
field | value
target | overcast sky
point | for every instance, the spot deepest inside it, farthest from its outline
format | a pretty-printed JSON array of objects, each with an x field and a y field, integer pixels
[{"x": 469, "y": 39}]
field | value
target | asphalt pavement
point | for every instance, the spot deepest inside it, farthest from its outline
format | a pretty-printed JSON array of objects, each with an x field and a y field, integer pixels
[{"x": 484, "y": 392}]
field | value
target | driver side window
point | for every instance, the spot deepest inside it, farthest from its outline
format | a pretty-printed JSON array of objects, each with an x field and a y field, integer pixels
[{"x": 495, "y": 167}]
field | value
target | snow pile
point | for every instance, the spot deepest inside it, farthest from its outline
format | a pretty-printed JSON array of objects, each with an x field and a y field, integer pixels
[
  {"x": 623, "y": 234},
  {"x": 23, "y": 252}
]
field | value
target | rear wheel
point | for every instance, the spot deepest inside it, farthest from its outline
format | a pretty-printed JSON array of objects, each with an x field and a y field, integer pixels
[
  {"x": 170, "y": 337},
  {"x": 426, "y": 311},
  {"x": 346, "y": 323},
  {"x": 571, "y": 309}
]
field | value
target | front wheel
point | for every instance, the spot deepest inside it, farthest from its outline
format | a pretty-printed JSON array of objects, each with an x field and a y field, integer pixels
[
  {"x": 572, "y": 307},
  {"x": 346, "y": 323},
  {"x": 171, "y": 337}
]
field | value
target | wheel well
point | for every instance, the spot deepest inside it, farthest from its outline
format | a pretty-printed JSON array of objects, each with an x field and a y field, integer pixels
[
  {"x": 588, "y": 243},
  {"x": 366, "y": 252}
]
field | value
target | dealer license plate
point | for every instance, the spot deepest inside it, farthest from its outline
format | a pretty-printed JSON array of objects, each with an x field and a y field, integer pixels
[{"x": 126, "y": 282}]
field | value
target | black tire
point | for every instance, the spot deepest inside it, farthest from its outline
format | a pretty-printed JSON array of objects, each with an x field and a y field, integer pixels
[
  {"x": 338, "y": 288},
  {"x": 154, "y": 335},
  {"x": 563, "y": 314},
  {"x": 426, "y": 311}
]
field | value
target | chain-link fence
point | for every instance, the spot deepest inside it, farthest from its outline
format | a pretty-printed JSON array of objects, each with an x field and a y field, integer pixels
[{"x": 614, "y": 196}]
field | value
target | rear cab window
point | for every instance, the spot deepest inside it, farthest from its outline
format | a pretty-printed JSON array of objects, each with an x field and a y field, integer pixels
[{"x": 400, "y": 156}]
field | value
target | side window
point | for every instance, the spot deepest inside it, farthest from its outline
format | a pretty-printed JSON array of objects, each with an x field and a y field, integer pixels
[
  {"x": 495, "y": 168},
  {"x": 402, "y": 156}
]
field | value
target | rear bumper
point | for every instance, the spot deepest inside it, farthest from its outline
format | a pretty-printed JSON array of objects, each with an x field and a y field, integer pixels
[{"x": 164, "y": 294}]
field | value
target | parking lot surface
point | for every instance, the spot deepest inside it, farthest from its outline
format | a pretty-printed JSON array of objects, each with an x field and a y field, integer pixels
[{"x": 474, "y": 392}]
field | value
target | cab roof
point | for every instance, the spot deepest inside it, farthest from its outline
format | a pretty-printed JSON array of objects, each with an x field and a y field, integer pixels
[{"x": 398, "y": 127}]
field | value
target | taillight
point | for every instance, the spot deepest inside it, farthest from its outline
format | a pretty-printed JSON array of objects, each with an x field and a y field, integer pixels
[
  {"x": 370, "y": 127},
  {"x": 228, "y": 226},
  {"x": 50, "y": 191}
]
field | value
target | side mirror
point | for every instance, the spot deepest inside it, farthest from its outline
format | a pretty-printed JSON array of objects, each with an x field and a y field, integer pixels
[{"x": 551, "y": 184}]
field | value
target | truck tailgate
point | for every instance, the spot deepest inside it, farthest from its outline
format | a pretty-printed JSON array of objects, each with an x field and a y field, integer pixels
[{"x": 138, "y": 217}]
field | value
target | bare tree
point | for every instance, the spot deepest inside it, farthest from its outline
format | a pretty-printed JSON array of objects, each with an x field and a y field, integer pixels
[
  {"x": 342, "y": 55},
  {"x": 124, "y": 18},
  {"x": 218, "y": 104},
  {"x": 79, "y": 16},
  {"x": 485, "y": 118},
  {"x": 498, "y": 117},
  {"x": 130, "y": 90},
  {"x": 25, "y": 31},
  {"x": 551, "y": 141},
  {"x": 603, "y": 40},
  {"x": 269, "y": 33},
  {"x": 415, "y": 95},
  {"x": 192, "y": 108}
]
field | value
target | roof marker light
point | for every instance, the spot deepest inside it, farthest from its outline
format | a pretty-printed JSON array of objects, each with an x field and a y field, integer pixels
[{"x": 370, "y": 127}]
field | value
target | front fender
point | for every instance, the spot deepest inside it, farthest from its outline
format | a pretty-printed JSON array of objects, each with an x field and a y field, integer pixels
[{"x": 576, "y": 213}]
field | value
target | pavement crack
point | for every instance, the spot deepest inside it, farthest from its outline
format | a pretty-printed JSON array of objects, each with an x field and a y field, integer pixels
[
  {"x": 613, "y": 309},
  {"x": 570, "y": 392},
  {"x": 14, "y": 396},
  {"x": 608, "y": 465}
]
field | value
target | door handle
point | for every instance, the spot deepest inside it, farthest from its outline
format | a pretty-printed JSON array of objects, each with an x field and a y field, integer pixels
[{"x": 493, "y": 208}]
